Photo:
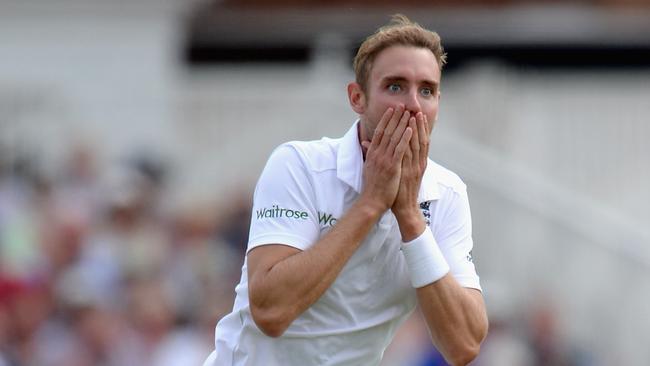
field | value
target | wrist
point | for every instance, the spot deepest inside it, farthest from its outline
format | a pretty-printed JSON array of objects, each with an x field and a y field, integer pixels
[
  {"x": 371, "y": 208},
  {"x": 424, "y": 259},
  {"x": 411, "y": 223},
  {"x": 404, "y": 211}
]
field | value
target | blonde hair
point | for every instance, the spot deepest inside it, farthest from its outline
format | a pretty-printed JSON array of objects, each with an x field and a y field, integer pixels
[{"x": 399, "y": 31}]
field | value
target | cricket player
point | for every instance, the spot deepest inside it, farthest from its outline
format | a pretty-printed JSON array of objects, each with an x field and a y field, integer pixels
[{"x": 349, "y": 235}]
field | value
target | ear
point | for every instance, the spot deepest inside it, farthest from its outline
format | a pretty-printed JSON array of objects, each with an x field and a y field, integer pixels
[{"x": 357, "y": 97}]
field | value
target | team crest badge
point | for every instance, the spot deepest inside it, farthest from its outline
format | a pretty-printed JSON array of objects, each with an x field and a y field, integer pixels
[{"x": 426, "y": 212}]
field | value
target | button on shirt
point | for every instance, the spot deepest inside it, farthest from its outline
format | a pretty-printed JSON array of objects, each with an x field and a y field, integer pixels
[{"x": 302, "y": 192}]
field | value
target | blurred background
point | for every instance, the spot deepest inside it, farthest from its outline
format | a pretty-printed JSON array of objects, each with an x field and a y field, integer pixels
[{"x": 132, "y": 134}]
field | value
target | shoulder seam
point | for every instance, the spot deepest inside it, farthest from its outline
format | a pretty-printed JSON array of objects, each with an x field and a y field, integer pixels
[{"x": 304, "y": 154}]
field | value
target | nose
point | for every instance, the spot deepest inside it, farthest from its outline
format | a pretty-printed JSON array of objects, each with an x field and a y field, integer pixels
[{"x": 412, "y": 103}]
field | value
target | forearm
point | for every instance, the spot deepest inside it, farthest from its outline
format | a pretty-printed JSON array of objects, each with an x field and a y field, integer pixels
[
  {"x": 456, "y": 318},
  {"x": 279, "y": 294},
  {"x": 410, "y": 221},
  {"x": 455, "y": 315}
]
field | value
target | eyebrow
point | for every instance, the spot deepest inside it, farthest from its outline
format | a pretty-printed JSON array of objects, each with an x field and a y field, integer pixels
[{"x": 396, "y": 78}]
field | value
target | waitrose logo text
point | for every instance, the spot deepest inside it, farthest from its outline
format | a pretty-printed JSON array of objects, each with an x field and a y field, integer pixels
[
  {"x": 275, "y": 211},
  {"x": 278, "y": 212}
]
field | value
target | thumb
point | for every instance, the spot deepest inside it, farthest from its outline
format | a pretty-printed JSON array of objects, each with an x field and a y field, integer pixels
[{"x": 365, "y": 145}]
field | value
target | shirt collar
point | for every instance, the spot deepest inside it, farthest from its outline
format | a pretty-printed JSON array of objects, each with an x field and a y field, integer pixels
[
  {"x": 349, "y": 160},
  {"x": 349, "y": 167},
  {"x": 429, "y": 188}
]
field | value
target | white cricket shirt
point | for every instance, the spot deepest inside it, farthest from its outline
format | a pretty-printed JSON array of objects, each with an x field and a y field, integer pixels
[{"x": 304, "y": 189}]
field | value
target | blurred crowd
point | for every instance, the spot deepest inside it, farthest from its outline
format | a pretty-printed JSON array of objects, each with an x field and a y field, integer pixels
[
  {"x": 103, "y": 268},
  {"x": 95, "y": 268}
]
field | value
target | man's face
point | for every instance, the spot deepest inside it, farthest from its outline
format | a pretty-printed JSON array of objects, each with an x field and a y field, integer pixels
[{"x": 401, "y": 75}]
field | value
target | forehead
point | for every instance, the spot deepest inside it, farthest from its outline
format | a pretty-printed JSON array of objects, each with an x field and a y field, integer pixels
[{"x": 411, "y": 63}]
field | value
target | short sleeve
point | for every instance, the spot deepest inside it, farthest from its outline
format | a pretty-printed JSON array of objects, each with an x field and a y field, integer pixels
[
  {"x": 283, "y": 203},
  {"x": 454, "y": 236}
]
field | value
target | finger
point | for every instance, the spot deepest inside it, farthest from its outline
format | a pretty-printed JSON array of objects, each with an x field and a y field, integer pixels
[
  {"x": 427, "y": 125},
  {"x": 381, "y": 126},
  {"x": 422, "y": 127},
  {"x": 394, "y": 121},
  {"x": 424, "y": 138},
  {"x": 392, "y": 126},
  {"x": 415, "y": 143},
  {"x": 365, "y": 147},
  {"x": 424, "y": 141},
  {"x": 403, "y": 145},
  {"x": 407, "y": 160},
  {"x": 399, "y": 131}
]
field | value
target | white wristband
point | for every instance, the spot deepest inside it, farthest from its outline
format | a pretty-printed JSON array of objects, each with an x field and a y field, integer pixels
[{"x": 424, "y": 259}]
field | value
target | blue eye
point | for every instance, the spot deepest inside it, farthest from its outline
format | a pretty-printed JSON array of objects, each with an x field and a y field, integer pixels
[
  {"x": 394, "y": 88},
  {"x": 427, "y": 92}
]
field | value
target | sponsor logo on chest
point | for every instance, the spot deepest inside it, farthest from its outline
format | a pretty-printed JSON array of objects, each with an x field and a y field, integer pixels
[
  {"x": 276, "y": 212},
  {"x": 325, "y": 219}
]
